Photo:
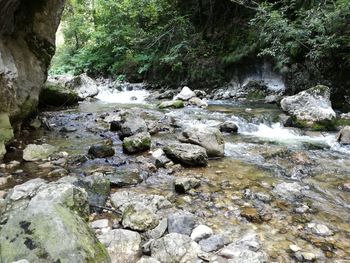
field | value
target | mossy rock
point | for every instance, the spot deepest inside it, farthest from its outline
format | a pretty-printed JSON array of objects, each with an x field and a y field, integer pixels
[
  {"x": 325, "y": 125},
  {"x": 57, "y": 95},
  {"x": 137, "y": 143},
  {"x": 177, "y": 104}
]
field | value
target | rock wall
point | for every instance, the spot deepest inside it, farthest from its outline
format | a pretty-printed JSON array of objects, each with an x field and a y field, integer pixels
[{"x": 27, "y": 44}]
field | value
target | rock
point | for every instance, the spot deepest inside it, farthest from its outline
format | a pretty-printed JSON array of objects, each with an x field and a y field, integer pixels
[
  {"x": 122, "y": 245},
  {"x": 125, "y": 178},
  {"x": 97, "y": 187},
  {"x": 229, "y": 127},
  {"x": 187, "y": 154},
  {"x": 310, "y": 105},
  {"x": 159, "y": 230},
  {"x": 35, "y": 123},
  {"x": 147, "y": 260},
  {"x": 101, "y": 151},
  {"x": 245, "y": 250},
  {"x": 138, "y": 217},
  {"x": 4, "y": 180},
  {"x": 198, "y": 102},
  {"x": 184, "y": 184},
  {"x": 208, "y": 137},
  {"x": 286, "y": 120},
  {"x": 182, "y": 223},
  {"x": 175, "y": 248},
  {"x": 177, "y": 104},
  {"x": 270, "y": 99},
  {"x": 346, "y": 186},
  {"x": 160, "y": 158},
  {"x": 43, "y": 215},
  {"x": 343, "y": 136},
  {"x": 213, "y": 243},
  {"x": 168, "y": 94},
  {"x": 34, "y": 152},
  {"x": 201, "y": 232},
  {"x": 83, "y": 85},
  {"x": 56, "y": 94},
  {"x": 68, "y": 129},
  {"x": 319, "y": 229},
  {"x": 185, "y": 94},
  {"x": 137, "y": 143},
  {"x": 128, "y": 124},
  {"x": 200, "y": 93},
  {"x": 155, "y": 203},
  {"x": 251, "y": 214},
  {"x": 288, "y": 191},
  {"x": 99, "y": 224},
  {"x": 27, "y": 45}
]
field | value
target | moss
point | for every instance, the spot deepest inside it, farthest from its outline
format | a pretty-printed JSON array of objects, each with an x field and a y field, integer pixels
[
  {"x": 325, "y": 125},
  {"x": 178, "y": 104},
  {"x": 256, "y": 95},
  {"x": 57, "y": 95}
]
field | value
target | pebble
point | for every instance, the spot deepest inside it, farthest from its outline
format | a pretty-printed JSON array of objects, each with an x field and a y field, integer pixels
[
  {"x": 319, "y": 229},
  {"x": 201, "y": 232},
  {"x": 294, "y": 248}
]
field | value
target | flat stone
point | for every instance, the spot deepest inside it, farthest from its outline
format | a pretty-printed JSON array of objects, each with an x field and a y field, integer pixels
[
  {"x": 182, "y": 223},
  {"x": 184, "y": 184},
  {"x": 319, "y": 229},
  {"x": 34, "y": 152},
  {"x": 213, "y": 243},
  {"x": 201, "y": 232}
]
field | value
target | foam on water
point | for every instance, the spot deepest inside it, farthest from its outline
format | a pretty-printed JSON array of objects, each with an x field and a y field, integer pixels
[{"x": 134, "y": 96}]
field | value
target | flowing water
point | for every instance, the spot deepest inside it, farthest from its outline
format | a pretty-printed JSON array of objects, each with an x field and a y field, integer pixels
[{"x": 261, "y": 157}]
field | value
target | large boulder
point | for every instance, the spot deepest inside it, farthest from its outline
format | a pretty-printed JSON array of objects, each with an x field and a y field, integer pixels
[
  {"x": 175, "y": 248},
  {"x": 6, "y": 132},
  {"x": 187, "y": 154},
  {"x": 101, "y": 150},
  {"x": 34, "y": 152},
  {"x": 45, "y": 222},
  {"x": 310, "y": 105},
  {"x": 208, "y": 137},
  {"x": 84, "y": 86},
  {"x": 171, "y": 104},
  {"x": 343, "y": 136},
  {"x": 27, "y": 44},
  {"x": 128, "y": 124},
  {"x": 185, "y": 94},
  {"x": 137, "y": 143},
  {"x": 54, "y": 94}
]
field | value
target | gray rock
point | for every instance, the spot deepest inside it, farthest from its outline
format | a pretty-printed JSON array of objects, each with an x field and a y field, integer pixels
[
  {"x": 182, "y": 223},
  {"x": 56, "y": 94},
  {"x": 175, "y": 248},
  {"x": 187, "y": 154},
  {"x": 99, "y": 224},
  {"x": 83, "y": 85},
  {"x": 310, "y": 105},
  {"x": 185, "y": 94},
  {"x": 285, "y": 120},
  {"x": 160, "y": 158},
  {"x": 34, "y": 152},
  {"x": 42, "y": 215},
  {"x": 6, "y": 132},
  {"x": 147, "y": 260},
  {"x": 200, "y": 93},
  {"x": 184, "y": 184},
  {"x": 159, "y": 230},
  {"x": 125, "y": 177},
  {"x": 121, "y": 199},
  {"x": 138, "y": 217},
  {"x": 137, "y": 143},
  {"x": 122, "y": 245},
  {"x": 128, "y": 124},
  {"x": 208, "y": 137},
  {"x": 288, "y": 191},
  {"x": 201, "y": 232},
  {"x": 229, "y": 127},
  {"x": 168, "y": 94},
  {"x": 198, "y": 102},
  {"x": 101, "y": 151},
  {"x": 343, "y": 136},
  {"x": 212, "y": 243},
  {"x": 319, "y": 229}
]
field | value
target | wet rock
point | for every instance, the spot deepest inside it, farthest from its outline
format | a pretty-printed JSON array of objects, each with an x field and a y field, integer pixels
[
  {"x": 346, "y": 186},
  {"x": 56, "y": 94},
  {"x": 148, "y": 260},
  {"x": 175, "y": 248},
  {"x": 60, "y": 172},
  {"x": 200, "y": 93},
  {"x": 229, "y": 127},
  {"x": 310, "y": 105},
  {"x": 68, "y": 129},
  {"x": 208, "y": 137},
  {"x": 125, "y": 178},
  {"x": 121, "y": 199},
  {"x": 270, "y": 99},
  {"x": 201, "y": 232},
  {"x": 198, "y": 102},
  {"x": 177, "y": 104},
  {"x": 213, "y": 243},
  {"x": 34, "y": 152},
  {"x": 184, "y": 184},
  {"x": 319, "y": 229},
  {"x": 138, "y": 217},
  {"x": 44, "y": 215},
  {"x": 286, "y": 120},
  {"x": 97, "y": 188},
  {"x": 122, "y": 245},
  {"x": 168, "y": 94},
  {"x": 83, "y": 85},
  {"x": 137, "y": 143},
  {"x": 343, "y": 136},
  {"x": 187, "y": 154},
  {"x": 185, "y": 94},
  {"x": 128, "y": 124},
  {"x": 251, "y": 214},
  {"x": 288, "y": 191},
  {"x": 182, "y": 223},
  {"x": 101, "y": 151},
  {"x": 159, "y": 230},
  {"x": 245, "y": 250},
  {"x": 160, "y": 158}
]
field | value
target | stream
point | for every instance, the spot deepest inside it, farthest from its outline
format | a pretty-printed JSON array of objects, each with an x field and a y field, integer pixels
[{"x": 274, "y": 181}]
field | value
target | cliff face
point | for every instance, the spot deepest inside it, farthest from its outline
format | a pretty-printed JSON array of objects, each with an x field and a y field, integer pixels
[{"x": 27, "y": 44}]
